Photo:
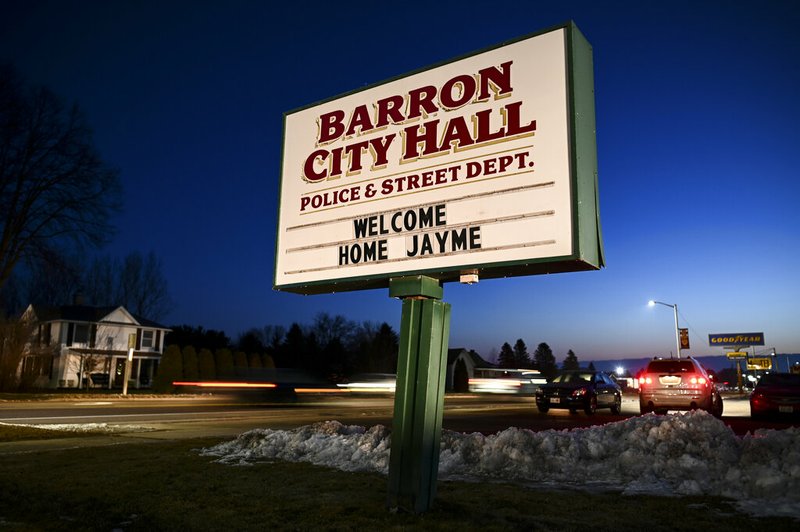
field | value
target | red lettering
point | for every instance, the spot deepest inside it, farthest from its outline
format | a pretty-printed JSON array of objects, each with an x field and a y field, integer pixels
[
  {"x": 421, "y": 100},
  {"x": 331, "y": 126},
  {"x": 512, "y": 119},
  {"x": 309, "y": 172},
  {"x": 360, "y": 119},
  {"x": 465, "y": 85},
  {"x": 415, "y": 135},
  {"x": 493, "y": 78},
  {"x": 457, "y": 134},
  {"x": 389, "y": 110}
]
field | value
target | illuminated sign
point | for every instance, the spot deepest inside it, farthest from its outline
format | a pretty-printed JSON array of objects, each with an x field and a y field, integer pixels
[
  {"x": 684, "y": 337},
  {"x": 736, "y": 354},
  {"x": 484, "y": 163},
  {"x": 759, "y": 363},
  {"x": 734, "y": 339}
]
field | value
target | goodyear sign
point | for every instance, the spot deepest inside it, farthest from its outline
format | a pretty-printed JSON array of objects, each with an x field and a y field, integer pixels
[{"x": 733, "y": 339}]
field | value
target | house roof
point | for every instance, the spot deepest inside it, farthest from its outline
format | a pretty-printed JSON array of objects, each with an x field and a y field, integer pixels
[
  {"x": 477, "y": 361},
  {"x": 87, "y": 313}
]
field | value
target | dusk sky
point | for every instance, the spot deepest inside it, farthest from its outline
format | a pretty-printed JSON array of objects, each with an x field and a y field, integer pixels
[{"x": 698, "y": 138}]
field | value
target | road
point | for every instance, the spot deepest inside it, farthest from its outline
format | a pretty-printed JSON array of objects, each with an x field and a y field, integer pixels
[{"x": 222, "y": 416}]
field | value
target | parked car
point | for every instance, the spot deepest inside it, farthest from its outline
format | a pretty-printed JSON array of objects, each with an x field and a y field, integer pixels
[
  {"x": 776, "y": 394},
  {"x": 677, "y": 384},
  {"x": 580, "y": 390}
]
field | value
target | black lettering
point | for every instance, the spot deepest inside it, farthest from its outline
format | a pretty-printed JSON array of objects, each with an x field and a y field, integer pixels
[
  {"x": 475, "y": 237},
  {"x": 441, "y": 238},
  {"x": 360, "y": 226},
  {"x": 427, "y": 247},
  {"x": 413, "y": 251},
  {"x": 459, "y": 240}
]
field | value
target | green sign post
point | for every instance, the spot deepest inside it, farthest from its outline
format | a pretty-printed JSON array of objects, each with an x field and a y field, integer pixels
[{"x": 419, "y": 396}]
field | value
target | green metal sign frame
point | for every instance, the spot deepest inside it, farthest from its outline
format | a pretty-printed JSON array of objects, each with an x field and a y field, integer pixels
[{"x": 419, "y": 395}]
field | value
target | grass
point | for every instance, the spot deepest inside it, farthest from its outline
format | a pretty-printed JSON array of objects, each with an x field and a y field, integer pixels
[{"x": 169, "y": 486}]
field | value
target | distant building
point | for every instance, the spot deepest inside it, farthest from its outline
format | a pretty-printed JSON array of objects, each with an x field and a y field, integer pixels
[
  {"x": 79, "y": 346},
  {"x": 461, "y": 366}
]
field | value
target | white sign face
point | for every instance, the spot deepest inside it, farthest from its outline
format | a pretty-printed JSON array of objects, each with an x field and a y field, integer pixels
[{"x": 466, "y": 165}]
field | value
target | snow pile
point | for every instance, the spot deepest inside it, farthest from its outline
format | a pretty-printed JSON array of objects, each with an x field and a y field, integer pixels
[{"x": 678, "y": 454}]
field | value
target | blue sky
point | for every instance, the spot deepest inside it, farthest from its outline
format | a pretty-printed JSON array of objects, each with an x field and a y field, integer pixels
[{"x": 697, "y": 134}]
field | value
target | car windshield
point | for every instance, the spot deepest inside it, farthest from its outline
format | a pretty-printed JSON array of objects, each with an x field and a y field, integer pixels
[
  {"x": 670, "y": 366},
  {"x": 565, "y": 378},
  {"x": 780, "y": 379}
]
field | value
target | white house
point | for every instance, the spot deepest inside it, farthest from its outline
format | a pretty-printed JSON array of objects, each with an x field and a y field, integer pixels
[{"x": 77, "y": 346}]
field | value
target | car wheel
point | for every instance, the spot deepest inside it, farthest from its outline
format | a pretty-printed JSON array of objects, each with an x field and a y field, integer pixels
[
  {"x": 661, "y": 411},
  {"x": 591, "y": 406},
  {"x": 573, "y": 411},
  {"x": 644, "y": 408},
  {"x": 543, "y": 408},
  {"x": 616, "y": 407}
]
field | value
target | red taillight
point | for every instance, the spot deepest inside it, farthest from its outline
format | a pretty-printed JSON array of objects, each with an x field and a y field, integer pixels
[
  {"x": 645, "y": 380},
  {"x": 697, "y": 380},
  {"x": 579, "y": 392}
]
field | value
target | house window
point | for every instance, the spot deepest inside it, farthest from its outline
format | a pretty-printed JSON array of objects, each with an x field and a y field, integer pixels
[
  {"x": 81, "y": 333},
  {"x": 109, "y": 342},
  {"x": 147, "y": 340}
]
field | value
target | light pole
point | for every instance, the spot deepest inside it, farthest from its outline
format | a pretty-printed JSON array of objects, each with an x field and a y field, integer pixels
[{"x": 677, "y": 331}]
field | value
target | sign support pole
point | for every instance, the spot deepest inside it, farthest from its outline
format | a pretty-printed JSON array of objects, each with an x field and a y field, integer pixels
[
  {"x": 419, "y": 396},
  {"x": 128, "y": 361}
]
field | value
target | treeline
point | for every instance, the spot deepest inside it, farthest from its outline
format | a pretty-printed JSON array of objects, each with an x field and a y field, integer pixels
[
  {"x": 330, "y": 348},
  {"x": 542, "y": 359},
  {"x": 136, "y": 282}
]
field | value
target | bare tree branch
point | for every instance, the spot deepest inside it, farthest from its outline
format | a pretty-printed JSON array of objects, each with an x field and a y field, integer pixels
[{"x": 54, "y": 187}]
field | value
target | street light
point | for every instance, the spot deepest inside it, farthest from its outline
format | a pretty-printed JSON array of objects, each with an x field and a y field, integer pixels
[{"x": 677, "y": 332}]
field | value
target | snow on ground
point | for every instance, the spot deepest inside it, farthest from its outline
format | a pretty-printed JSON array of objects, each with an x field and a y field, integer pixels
[
  {"x": 104, "y": 428},
  {"x": 678, "y": 454}
]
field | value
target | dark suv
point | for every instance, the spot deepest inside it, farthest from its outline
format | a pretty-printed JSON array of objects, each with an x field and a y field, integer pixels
[{"x": 677, "y": 384}]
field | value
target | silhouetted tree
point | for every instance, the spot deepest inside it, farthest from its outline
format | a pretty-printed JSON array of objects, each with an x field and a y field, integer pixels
[
  {"x": 197, "y": 337},
  {"x": 240, "y": 359},
  {"x": 254, "y": 360},
  {"x": 384, "y": 349},
  {"x": 521, "y": 357},
  {"x": 326, "y": 329},
  {"x": 15, "y": 335},
  {"x": 54, "y": 187},
  {"x": 545, "y": 361},
  {"x": 571, "y": 361},
  {"x": 293, "y": 349},
  {"x": 251, "y": 341},
  {"x": 170, "y": 369},
  {"x": 54, "y": 281},
  {"x": 267, "y": 361},
  {"x": 191, "y": 371},
  {"x": 506, "y": 357},
  {"x": 142, "y": 288},
  {"x": 223, "y": 359},
  {"x": 206, "y": 366}
]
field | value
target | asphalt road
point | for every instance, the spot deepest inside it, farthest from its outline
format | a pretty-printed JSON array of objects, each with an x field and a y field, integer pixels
[{"x": 223, "y": 415}]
